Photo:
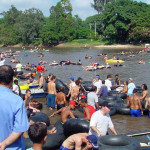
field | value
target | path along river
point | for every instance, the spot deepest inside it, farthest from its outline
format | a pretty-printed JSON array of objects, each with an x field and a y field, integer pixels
[{"x": 131, "y": 68}]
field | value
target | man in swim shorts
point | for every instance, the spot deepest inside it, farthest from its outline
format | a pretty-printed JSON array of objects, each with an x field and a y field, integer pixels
[
  {"x": 51, "y": 93},
  {"x": 77, "y": 141},
  {"x": 60, "y": 98},
  {"x": 135, "y": 105}
]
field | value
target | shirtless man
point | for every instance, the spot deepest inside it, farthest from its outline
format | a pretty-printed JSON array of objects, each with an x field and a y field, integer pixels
[
  {"x": 144, "y": 95},
  {"x": 41, "y": 81},
  {"x": 66, "y": 112},
  {"x": 60, "y": 99},
  {"x": 77, "y": 141},
  {"x": 135, "y": 105},
  {"x": 75, "y": 90},
  {"x": 51, "y": 93}
]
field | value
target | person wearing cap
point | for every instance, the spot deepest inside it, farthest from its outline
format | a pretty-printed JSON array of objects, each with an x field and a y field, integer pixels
[
  {"x": 75, "y": 91},
  {"x": 71, "y": 85},
  {"x": 108, "y": 82},
  {"x": 98, "y": 83},
  {"x": 131, "y": 87},
  {"x": 135, "y": 105},
  {"x": 88, "y": 109},
  {"x": 92, "y": 98},
  {"x": 101, "y": 121},
  {"x": 66, "y": 112},
  {"x": 39, "y": 68},
  {"x": 76, "y": 141}
]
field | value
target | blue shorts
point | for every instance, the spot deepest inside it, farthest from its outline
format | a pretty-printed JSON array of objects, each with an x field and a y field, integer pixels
[
  {"x": 135, "y": 113},
  {"x": 149, "y": 114},
  {"x": 63, "y": 148}
]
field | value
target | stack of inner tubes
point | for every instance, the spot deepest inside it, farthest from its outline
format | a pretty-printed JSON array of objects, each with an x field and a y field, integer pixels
[{"x": 118, "y": 142}]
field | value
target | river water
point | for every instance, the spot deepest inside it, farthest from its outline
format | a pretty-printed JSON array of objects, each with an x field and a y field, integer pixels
[{"x": 130, "y": 69}]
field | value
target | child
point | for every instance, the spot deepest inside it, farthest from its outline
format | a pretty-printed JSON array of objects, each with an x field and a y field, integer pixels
[{"x": 38, "y": 135}]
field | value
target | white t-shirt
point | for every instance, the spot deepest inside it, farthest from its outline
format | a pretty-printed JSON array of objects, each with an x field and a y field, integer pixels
[
  {"x": 2, "y": 62},
  {"x": 92, "y": 99},
  {"x": 98, "y": 84},
  {"x": 108, "y": 84},
  {"x": 16, "y": 89},
  {"x": 19, "y": 66},
  {"x": 101, "y": 122}
]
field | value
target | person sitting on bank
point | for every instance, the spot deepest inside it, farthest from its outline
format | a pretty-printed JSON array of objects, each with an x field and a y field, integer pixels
[
  {"x": 88, "y": 109},
  {"x": 60, "y": 100},
  {"x": 66, "y": 112},
  {"x": 135, "y": 105},
  {"x": 77, "y": 141},
  {"x": 38, "y": 135}
]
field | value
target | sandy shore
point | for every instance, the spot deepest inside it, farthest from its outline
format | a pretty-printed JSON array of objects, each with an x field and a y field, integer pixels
[{"x": 117, "y": 46}]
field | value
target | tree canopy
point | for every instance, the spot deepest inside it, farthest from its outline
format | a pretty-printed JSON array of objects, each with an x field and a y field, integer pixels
[{"x": 117, "y": 21}]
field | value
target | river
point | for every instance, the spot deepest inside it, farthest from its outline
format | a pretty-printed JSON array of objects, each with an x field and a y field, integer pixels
[{"x": 130, "y": 69}]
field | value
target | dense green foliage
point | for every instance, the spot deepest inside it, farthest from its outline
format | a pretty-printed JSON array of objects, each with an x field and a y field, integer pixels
[{"x": 117, "y": 21}]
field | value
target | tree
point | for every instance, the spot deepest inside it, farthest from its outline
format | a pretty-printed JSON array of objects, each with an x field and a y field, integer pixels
[
  {"x": 11, "y": 15},
  {"x": 99, "y": 5},
  {"x": 117, "y": 19},
  {"x": 140, "y": 27},
  {"x": 29, "y": 25}
]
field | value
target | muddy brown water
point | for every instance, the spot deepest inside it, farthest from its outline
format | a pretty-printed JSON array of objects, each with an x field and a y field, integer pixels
[{"x": 131, "y": 68}]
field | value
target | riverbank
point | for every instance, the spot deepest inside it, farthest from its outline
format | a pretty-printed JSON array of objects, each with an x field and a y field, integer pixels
[
  {"x": 116, "y": 46},
  {"x": 75, "y": 44}
]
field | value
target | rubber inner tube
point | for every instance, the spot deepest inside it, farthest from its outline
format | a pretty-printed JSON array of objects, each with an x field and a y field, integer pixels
[
  {"x": 118, "y": 142},
  {"x": 112, "y": 111},
  {"x": 87, "y": 85},
  {"x": 40, "y": 117},
  {"x": 73, "y": 126},
  {"x": 110, "y": 98},
  {"x": 123, "y": 109},
  {"x": 60, "y": 84}
]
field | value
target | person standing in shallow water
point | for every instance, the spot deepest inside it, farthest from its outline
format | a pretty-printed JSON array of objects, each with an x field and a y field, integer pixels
[
  {"x": 135, "y": 105},
  {"x": 51, "y": 93},
  {"x": 13, "y": 117}
]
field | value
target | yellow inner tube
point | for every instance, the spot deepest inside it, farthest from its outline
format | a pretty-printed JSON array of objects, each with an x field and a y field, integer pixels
[
  {"x": 114, "y": 61},
  {"x": 24, "y": 87}
]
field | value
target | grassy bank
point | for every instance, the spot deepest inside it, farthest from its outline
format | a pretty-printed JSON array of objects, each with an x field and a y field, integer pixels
[{"x": 97, "y": 44}]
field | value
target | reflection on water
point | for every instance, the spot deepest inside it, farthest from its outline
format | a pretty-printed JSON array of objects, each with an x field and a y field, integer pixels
[{"x": 131, "y": 68}]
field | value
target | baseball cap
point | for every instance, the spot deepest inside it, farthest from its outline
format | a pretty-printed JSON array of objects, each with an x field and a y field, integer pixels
[
  {"x": 97, "y": 76},
  {"x": 71, "y": 78},
  {"x": 72, "y": 103},
  {"x": 39, "y": 63},
  {"x": 105, "y": 104},
  {"x": 83, "y": 96},
  {"x": 131, "y": 79},
  {"x": 93, "y": 140}
]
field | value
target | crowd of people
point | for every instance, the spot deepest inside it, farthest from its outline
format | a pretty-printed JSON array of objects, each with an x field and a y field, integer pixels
[{"x": 16, "y": 109}]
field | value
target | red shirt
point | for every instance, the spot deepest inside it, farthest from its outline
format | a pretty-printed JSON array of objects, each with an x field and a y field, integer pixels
[
  {"x": 91, "y": 108},
  {"x": 39, "y": 69}
]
